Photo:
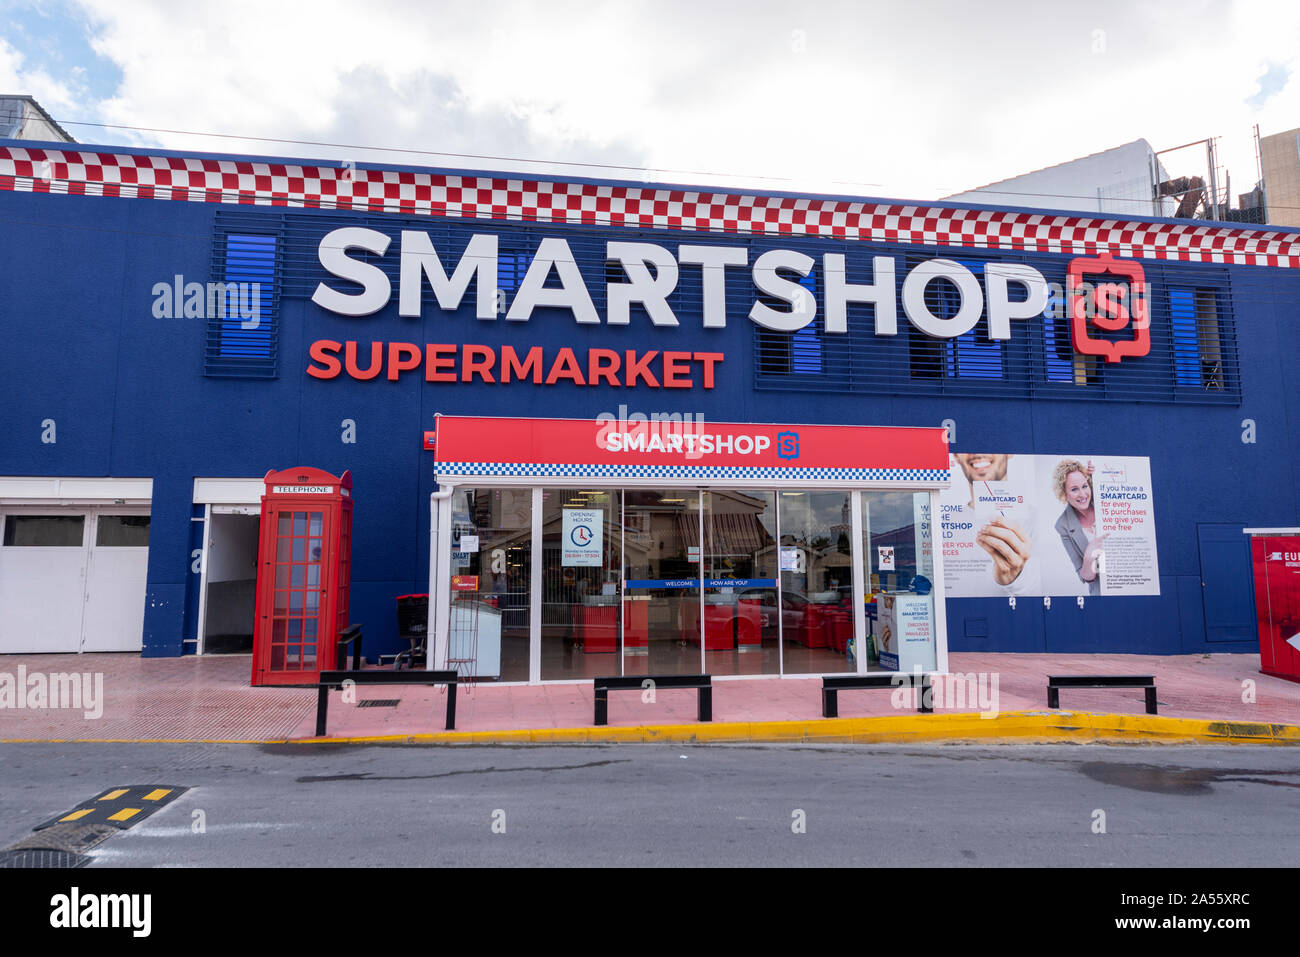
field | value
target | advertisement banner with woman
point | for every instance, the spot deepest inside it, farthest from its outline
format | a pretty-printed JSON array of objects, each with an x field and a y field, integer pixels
[{"x": 1034, "y": 525}]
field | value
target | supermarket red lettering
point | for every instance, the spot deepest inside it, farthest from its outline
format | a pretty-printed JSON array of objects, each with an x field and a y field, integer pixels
[{"x": 468, "y": 362}]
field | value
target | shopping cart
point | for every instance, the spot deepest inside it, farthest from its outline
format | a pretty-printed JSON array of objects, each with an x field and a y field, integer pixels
[{"x": 413, "y": 625}]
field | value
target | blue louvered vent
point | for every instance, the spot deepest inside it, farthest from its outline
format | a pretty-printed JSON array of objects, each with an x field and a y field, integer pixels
[
  {"x": 971, "y": 355},
  {"x": 806, "y": 344},
  {"x": 796, "y": 356},
  {"x": 243, "y": 306}
]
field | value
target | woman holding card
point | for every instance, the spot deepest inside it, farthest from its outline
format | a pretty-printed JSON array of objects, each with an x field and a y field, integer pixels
[{"x": 1077, "y": 526}]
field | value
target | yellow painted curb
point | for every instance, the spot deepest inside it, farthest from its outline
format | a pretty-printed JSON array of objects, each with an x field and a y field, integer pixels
[
  {"x": 1019, "y": 727},
  {"x": 1014, "y": 727}
]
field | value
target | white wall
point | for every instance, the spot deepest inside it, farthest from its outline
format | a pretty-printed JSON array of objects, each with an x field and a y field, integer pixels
[
  {"x": 22, "y": 121},
  {"x": 1116, "y": 181}
]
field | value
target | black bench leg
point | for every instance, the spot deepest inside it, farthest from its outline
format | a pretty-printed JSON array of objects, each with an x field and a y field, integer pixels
[
  {"x": 924, "y": 696},
  {"x": 705, "y": 708},
  {"x": 602, "y": 706},
  {"x": 451, "y": 706},
  {"x": 830, "y": 703},
  {"x": 1053, "y": 697},
  {"x": 1151, "y": 700},
  {"x": 322, "y": 705}
]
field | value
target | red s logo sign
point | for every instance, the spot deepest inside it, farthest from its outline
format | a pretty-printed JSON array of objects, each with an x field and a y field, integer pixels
[{"x": 1112, "y": 306}]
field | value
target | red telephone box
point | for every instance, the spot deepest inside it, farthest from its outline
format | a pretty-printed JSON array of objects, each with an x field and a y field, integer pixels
[{"x": 304, "y": 569}]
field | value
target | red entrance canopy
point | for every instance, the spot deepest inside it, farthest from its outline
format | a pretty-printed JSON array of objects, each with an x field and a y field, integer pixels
[{"x": 479, "y": 446}]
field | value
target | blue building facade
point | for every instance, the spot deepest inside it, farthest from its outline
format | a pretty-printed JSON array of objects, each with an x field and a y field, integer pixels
[{"x": 115, "y": 367}]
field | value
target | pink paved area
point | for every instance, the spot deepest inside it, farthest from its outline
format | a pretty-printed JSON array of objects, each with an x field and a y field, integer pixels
[{"x": 209, "y": 698}]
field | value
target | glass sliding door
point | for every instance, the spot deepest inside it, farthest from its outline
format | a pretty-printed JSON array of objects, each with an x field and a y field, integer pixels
[
  {"x": 897, "y": 550},
  {"x": 816, "y": 561},
  {"x": 491, "y": 558},
  {"x": 661, "y": 579},
  {"x": 741, "y": 622},
  {"x": 582, "y": 542}
]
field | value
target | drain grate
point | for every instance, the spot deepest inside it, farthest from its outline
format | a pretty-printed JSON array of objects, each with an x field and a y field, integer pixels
[
  {"x": 71, "y": 837},
  {"x": 42, "y": 857},
  {"x": 380, "y": 703}
]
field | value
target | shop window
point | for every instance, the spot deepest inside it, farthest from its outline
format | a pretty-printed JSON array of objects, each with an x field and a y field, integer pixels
[
  {"x": 122, "y": 531},
  {"x": 44, "y": 531},
  {"x": 240, "y": 307},
  {"x": 1197, "y": 338},
  {"x": 896, "y": 538}
]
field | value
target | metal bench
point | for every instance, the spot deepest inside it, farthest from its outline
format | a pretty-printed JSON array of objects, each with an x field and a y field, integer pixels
[
  {"x": 702, "y": 683},
  {"x": 833, "y": 685},
  {"x": 335, "y": 679},
  {"x": 1056, "y": 682},
  {"x": 351, "y": 635}
]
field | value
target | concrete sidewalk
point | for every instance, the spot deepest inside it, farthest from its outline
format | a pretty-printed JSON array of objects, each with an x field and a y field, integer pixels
[{"x": 1201, "y": 697}]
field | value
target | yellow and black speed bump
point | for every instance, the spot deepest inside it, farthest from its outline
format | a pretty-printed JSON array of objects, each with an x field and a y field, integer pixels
[
  {"x": 64, "y": 840},
  {"x": 120, "y": 807}
]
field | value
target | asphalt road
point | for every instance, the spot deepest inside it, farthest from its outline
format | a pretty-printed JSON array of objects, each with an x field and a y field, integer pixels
[{"x": 660, "y": 805}]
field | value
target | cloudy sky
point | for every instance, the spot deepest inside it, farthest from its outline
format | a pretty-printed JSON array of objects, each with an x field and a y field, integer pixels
[{"x": 909, "y": 100}]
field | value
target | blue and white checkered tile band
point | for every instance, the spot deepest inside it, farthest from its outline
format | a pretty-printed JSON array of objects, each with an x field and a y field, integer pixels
[{"x": 689, "y": 472}]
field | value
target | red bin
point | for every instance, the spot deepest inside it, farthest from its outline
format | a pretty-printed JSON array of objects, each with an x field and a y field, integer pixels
[{"x": 1276, "y": 564}]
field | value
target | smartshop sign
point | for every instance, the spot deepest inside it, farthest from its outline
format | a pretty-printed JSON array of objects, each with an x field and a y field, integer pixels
[{"x": 1008, "y": 292}]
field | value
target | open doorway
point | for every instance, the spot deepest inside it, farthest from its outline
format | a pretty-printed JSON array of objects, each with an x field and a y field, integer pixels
[{"x": 231, "y": 581}]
